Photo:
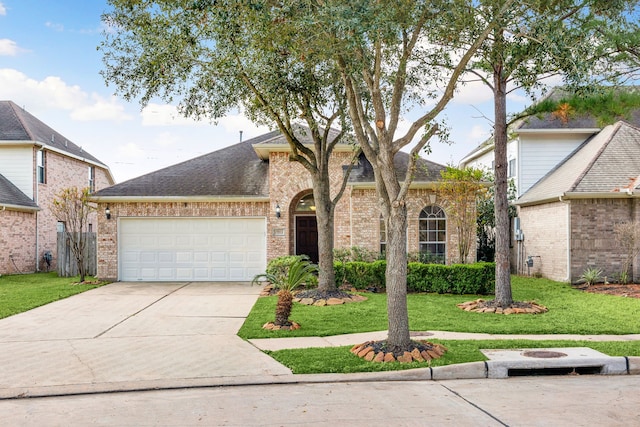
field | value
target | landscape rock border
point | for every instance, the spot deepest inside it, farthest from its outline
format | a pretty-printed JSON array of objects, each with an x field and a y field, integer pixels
[
  {"x": 330, "y": 301},
  {"x": 370, "y": 352},
  {"x": 483, "y": 306},
  {"x": 271, "y": 326}
]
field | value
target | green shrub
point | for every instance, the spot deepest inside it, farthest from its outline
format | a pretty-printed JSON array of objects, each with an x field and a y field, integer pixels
[
  {"x": 278, "y": 268},
  {"x": 591, "y": 275},
  {"x": 478, "y": 278}
]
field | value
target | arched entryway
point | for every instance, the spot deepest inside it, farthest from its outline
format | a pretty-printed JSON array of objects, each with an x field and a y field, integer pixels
[{"x": 305, "y": 227}]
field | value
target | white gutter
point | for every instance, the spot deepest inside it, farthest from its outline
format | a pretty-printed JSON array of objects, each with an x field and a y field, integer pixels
[
  {"x": 144, "y": 199},
  {"x": 578, "y": 196},
  {"x": 5, "y": 206},
  {"x": 560, "y": 131}
]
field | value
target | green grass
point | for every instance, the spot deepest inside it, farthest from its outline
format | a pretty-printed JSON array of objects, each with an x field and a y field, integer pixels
[
  {"x": 340, "y": 360},
  {"x": 570, "y": 312},
  {"x": 23, "y": 292}
]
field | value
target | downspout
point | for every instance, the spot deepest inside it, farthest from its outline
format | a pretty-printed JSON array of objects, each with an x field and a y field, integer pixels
[
  {"x": 37, "y": 203},
  {"x": 36, "y": 213}
]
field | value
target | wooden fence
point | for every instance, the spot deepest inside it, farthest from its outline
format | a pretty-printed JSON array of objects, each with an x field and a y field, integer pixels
[{"x": 67, "y": 265}]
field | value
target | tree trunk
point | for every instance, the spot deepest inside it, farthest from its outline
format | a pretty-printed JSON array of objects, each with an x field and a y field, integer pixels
[
  {"x": 325, "y": 218},
  {"x": 396, "y": 277},
  {"x": 283, "y": 307},
  {"x": 503, "y": 267}
]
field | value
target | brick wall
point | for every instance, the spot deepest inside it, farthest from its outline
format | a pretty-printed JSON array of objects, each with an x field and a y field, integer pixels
[
  {"x": 593, "y": 243},
  {"x": 61, "y": 172},
  {"x": 17, "y": 241},
  {"x": 356, "y": 214},
  {"x": 289, "y": 182},
  {"x": 545, "y": 239}
]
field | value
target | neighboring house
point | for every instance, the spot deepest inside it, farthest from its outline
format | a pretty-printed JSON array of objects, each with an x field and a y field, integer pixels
[
  {"x": 223, "y": 215},
  {"x": 539, "y": 143},
  {"x": 36, "y": 162},
  {"x": 550, "y": 245},
  {"x": 568, "y": 216}
]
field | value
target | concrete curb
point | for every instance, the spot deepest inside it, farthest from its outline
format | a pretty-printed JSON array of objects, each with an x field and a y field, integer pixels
[{"x": 462, "y": 371}]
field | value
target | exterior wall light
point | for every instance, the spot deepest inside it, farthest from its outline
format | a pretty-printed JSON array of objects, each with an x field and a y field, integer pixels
[
  {"x": 277, "y": 210},
  {"x": 107, "y": 212}
]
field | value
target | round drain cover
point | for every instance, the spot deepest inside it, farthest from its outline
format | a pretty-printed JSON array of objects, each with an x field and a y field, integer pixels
[{"x": 543, "y": 354}]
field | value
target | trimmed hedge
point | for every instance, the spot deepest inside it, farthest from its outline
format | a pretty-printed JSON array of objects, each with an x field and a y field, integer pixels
[{"x": 478, "y": 278}]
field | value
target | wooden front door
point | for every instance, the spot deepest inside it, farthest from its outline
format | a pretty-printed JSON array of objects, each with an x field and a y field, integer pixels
[{"x": 307, "y": 237}]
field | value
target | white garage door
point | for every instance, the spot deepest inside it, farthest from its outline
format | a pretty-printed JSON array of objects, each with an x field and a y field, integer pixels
[{"x": 197, "y": 249}]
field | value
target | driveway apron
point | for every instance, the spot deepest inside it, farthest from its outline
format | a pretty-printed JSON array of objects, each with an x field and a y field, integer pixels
[{"x": 132, "y": 336}]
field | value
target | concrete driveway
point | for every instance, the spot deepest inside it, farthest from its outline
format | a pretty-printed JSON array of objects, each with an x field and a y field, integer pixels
[{"x": 133, "y": 336}]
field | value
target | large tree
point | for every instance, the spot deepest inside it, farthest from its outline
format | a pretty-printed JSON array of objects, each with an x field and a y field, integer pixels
[
  {"x": 386, "y": 53},
  {"x": 217, "y": 56},
  {"x": 533, "y": 41}
]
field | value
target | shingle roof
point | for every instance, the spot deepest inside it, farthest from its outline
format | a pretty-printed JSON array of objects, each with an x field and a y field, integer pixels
[
  {"x": 232, "y": 171},
  {"x": 549, "y": 121},
  {"x": 237, "y": 171},
  {"x": 604, "y": 164},
  {"x": 16, "y": 124},
  {"x": 11, "y": 195},
  {"x": 583, "y": 121},
  {"x": 426, "y": 171}
]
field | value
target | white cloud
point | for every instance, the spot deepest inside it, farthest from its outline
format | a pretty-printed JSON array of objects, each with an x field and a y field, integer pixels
[
  {"x": 54, "y": 93},
  {"x": 54, "y": 26},
  {"x": 233, "y": 123},
  {"x": 131, "y": 151},
  {"x": 166, "y": 115},
  {"x": 165, "y": 139},
  {"x": 3, "y": 10},
  {"x": 9, "y": 48},
  {"x": 472, "y": 92},
  {"x": 100, "y": 109},
  {"x": 479, "y": 133}
]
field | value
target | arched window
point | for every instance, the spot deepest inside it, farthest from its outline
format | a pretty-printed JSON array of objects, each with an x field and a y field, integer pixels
[
  {"x": 306, "y": 204},
  {"x": 433, "y": 235}
]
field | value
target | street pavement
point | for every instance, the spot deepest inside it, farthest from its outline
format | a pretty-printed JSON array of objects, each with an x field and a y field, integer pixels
[{"x": 168, "y": 354}]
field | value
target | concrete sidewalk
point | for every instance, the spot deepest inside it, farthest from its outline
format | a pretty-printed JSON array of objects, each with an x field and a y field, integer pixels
[{"x": 144, "y": 336}]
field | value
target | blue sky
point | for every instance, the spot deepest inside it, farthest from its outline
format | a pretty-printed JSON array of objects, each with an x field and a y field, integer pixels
[{"x": 50, "y": 66}]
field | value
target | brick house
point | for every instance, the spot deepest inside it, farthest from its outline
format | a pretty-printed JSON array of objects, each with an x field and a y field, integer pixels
[
  {"x": 223, "y": 215},
  {"x": 36, "y": 162},
  {"x": 567, "y": 217}
]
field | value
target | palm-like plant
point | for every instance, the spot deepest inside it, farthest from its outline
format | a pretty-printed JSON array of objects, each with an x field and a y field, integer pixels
[{"x": 300, "y": 272}]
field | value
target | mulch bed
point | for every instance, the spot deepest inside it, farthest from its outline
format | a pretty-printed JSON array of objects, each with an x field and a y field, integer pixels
[
  {"x": 313, "y": 297},
  {"x": 517, "y": 307},
  {"x": 376, "y": 351},
  {"x": 617, "y": 289}
]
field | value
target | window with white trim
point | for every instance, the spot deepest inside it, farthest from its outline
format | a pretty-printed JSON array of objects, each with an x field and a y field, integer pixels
[
  {"x": 92, "y": 179},
  {"x": 433, "y": 235},
  {"x": 41, "y": 164}
]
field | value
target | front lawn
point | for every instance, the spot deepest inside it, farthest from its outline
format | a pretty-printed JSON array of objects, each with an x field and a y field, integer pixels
[
  {"x": 22, "y": 292},
  {"x": 571, "y": 311},
  {"x": 339, "y": 360}
]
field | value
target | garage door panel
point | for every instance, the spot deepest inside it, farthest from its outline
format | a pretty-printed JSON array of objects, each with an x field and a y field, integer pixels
[
  {"x": 201, "y": 257},
  {"x": 166, "y": 274},
  {"x": 166, "y": 257},
  {"x": 150, "y": 257},
  {"x": 192, "y": 248}
]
